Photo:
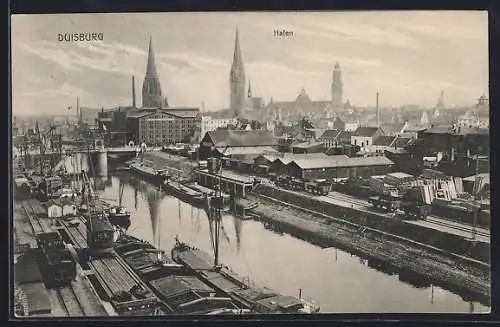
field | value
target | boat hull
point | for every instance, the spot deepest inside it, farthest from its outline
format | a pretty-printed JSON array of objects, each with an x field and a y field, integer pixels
[
  {"x": 236, "y": 287},
  {"x": 194, "y": 198},
  {"x": 149, "y": 175},
  {"x": 121, "y": 220}
]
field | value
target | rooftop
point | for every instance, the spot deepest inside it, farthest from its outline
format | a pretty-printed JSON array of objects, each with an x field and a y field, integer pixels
[
  {"x": 241, "y": 138},
  {"x": 330, "y": 134},
  {"x": 307, "y": 145},
  {"x": 246, "y": 150},
  {"x": 384, "y": 140},
  {"x": 342, "y": 161},
  {"x": 366, "y": 131}
]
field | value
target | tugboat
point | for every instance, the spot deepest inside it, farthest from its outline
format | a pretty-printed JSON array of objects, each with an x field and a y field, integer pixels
[{"x": 118, "y": 215}]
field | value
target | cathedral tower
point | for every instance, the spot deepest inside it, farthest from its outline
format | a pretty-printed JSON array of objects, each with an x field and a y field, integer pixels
[
  {"x": 237, "y": 81},
  {"x": 151, "y": 88},
  {"x": 337, "y": 87}
]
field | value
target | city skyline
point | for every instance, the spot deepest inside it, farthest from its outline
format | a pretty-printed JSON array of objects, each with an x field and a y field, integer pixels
[{"x": 409, "y": 57}]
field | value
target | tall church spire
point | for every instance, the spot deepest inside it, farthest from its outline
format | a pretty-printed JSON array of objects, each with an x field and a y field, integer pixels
[
  {"x": 237, "y": 80},
  {"x": 151, "y": 88},
  {"x": 237, "y": 61},
  {"x": 151, "y": 67}
]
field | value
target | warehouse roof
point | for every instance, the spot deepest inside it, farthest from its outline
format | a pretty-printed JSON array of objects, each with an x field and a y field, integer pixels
[
  {"x": 342, "y": 161},
  {"x": 246, "y": 150},
  {"x": 289, "y": 157}
]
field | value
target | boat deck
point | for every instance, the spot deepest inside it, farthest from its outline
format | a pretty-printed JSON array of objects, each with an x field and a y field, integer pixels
[{"x": 230, "y": 283}]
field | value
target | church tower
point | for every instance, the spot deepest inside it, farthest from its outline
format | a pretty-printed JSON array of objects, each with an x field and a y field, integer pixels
[
  {"x": 151, "y": 88},
  {"x": 237, "y": 81},
  {"x": 337, "y": 87}
]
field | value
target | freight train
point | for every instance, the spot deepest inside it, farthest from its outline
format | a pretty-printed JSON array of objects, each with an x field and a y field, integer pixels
[
  {"x": 407, "y": 209},
  {"x": 56, "y": 262},
  {"x": 385, "y": 203},
  {"x": 317, "y": 187}
]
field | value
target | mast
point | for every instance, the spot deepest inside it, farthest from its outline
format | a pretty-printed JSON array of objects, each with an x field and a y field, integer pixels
[{"x": 120, "y": 195}]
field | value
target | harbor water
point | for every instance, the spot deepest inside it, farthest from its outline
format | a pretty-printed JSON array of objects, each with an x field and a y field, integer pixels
[{"x": 339, "y": 281}]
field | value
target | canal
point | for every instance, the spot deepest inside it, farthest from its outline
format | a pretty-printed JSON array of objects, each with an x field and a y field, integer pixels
[{"x": 339, "y": 281}]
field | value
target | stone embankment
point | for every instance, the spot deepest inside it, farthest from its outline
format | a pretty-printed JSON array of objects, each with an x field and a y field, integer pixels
[{"x": 301, "y": 216}]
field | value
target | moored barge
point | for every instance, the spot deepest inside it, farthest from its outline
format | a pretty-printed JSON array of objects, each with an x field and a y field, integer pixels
[
  {"x": 152, "y": 175},
  {"x": 181, "y": 291},
  {"x": 257, "y": 299}
]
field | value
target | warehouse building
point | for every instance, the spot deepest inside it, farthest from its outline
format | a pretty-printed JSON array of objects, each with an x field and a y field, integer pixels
[
  {"x": 162, "y": 126},
  {"x": 308, "y": 147},
  {"x": 276, "y": 163},
  {"x": 339, "y": 167},
  {"x": 232, "y": 142}
]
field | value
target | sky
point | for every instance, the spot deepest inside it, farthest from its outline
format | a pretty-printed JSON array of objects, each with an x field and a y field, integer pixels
[{"x": 408, "y": 57}]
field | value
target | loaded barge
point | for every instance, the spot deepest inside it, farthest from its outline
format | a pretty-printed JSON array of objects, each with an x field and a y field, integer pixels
[
  {"x": 152, "y": 175},
  {"x": 184, "y": 192},
  {"x": 177, "y": 287},
  {"x": 258, "y": 300}
]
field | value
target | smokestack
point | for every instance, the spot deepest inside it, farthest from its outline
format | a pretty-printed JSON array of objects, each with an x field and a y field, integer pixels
[
  {"x": 133, "y": 91},
  {"x": 378, "y": 112}
]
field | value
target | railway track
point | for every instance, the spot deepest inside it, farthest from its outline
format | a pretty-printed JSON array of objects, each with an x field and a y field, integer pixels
[
  {"x": 347, "y": 198},
  {"x": 70, "y": 302},
  {"x": 35, "y": 223},
  {"x": 456, "y": 226}
]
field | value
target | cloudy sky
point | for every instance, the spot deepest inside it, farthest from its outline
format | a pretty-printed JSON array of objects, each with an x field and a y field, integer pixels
[{"x": 409, "y": 57}]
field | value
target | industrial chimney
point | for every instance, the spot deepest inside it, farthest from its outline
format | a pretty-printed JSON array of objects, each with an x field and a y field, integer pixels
[
  {"x": 378, "y": 112},
  {"x": 133, "y": 91}
]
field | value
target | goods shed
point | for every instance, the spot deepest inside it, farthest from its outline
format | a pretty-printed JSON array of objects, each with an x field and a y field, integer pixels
[{"x": 339, "y": 167}]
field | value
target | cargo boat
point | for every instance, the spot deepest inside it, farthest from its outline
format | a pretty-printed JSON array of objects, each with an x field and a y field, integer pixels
[
  {"x": 181, "y": 291},
  {"x": 118, "y": 215},
  {"x": 258, "y": 300},
  {"x": 184, "y": 192},
  {"x": 152, "y": 175}
]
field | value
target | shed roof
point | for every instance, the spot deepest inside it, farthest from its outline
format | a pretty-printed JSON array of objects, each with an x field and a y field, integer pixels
[
  {"x": 342, "y": 161},
  {"x": 246, "y": 150}
]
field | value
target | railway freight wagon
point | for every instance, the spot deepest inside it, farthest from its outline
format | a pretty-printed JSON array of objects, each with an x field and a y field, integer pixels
[
  {"x": 100, "y": 234},
  {"x": 317, "y": 187},
  {"x": 386, "y": 203},
  {"x": 56, "y": 262}
]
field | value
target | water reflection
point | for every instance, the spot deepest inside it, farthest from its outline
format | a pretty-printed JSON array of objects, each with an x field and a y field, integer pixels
[{"x": 340, "y": 281}]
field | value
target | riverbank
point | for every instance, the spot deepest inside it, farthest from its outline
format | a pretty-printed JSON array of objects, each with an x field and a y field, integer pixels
[{"x": 453, "y": 274}]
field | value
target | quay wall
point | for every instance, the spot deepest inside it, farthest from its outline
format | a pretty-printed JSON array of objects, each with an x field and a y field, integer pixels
[{"x": 441, "y": 240}]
